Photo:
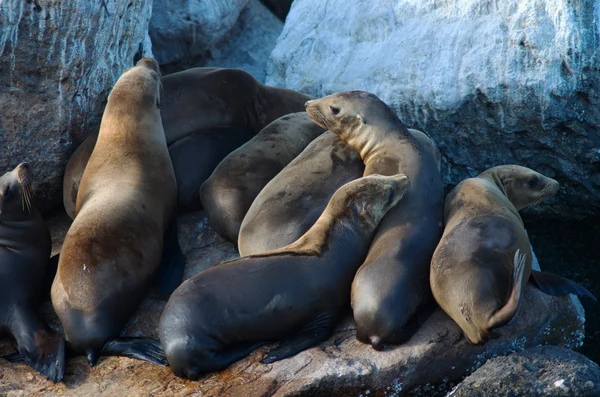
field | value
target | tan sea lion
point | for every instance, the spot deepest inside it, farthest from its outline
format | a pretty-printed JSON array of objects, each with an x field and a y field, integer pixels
[
  {"x": 216, "y": 108},
  {"x": 292, "y": 201},
  {"x": 296, "y": 293},
  {"x": 24, "y": 252},
  {"x": 227, "y": 195},
  {"x": 391, "y": 288},
  {"x": 484, "y": 258},
  {"x": 125, "y": 203}
]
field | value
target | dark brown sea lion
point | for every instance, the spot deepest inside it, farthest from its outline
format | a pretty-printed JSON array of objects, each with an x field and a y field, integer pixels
[
  {"x": 484, "y": 258},
  {"x": 227, "y": 195},
  {"x": 292, "y": 201},
  {"x": 297, "y": 292},
  {"x": 125, "y": 203},
  {"x": 24, "y": 252},
  {"x": 391, "y": 287},
  {"x": 216, "y": 108}
]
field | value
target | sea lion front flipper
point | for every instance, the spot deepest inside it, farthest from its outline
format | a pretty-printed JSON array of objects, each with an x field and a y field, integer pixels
[
  {"x": 145, "y": 349},
  {"x": 553, "y": 284},
  {"x": 315, "y": 332},
  {"x": 42, "y": 348},
  {"x": 170, "y": 273},
  {"x": 51, "y": 269},
  {"x": 507, "y": 312}
]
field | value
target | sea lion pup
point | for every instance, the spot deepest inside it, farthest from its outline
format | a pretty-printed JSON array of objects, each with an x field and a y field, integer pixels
[
  {"x": 483, "y": 260},
  {"x": 296, "y": 293},
  {"x": 292, "y": 201},
  {"x": 390, "y": 290},
  {"x": 24, "y": 252},
  {"x": 124, "y": 206},
  {"x": 227, "y": 195},
  {"x": 218, "y": 108}
]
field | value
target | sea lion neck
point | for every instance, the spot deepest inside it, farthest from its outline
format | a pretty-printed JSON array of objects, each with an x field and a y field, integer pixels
[
  {"x": 496, "y": 179},
  {"x": 371, "y": 141}
]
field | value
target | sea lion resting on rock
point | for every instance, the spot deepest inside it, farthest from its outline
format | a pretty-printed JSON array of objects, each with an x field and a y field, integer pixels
[
  {"x": 24, "y": 252},
  {"x": 297, "y": 292},
  {"x": 125, "y": 203},
  {"x": 216, "y": 108},
  {"x": 391, "y": 287},
  {"x": 227, "y": 195},
  {"x": 292, "y": 201},
  {"x": 484, "y": 258}
]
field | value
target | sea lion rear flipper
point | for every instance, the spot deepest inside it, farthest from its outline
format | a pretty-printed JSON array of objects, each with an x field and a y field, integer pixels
[
  {"x": 39, "y": 346},
  {"x": 553, "y": 284},
  {"x": 317, "y": 331},
  {"x": 145, "y": 349},
  {"x": 51, "y": 269},
  {"x": 507, "y": 312},
  {"x": 170, "y": 273}
]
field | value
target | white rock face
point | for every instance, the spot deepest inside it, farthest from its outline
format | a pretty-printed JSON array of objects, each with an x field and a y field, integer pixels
[
  {"x": 58, "y": 62},
  {"x": 493, "y": 82},
  {"x": 187, "y": 28}
]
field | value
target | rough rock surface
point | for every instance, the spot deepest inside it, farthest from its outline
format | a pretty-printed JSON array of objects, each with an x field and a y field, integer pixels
[
  {"x": 436, "y": 357},
  {"x": 539, "y": 371},
  {"x": 493, "y": 82},
  {"x": 58, "y": 62}
]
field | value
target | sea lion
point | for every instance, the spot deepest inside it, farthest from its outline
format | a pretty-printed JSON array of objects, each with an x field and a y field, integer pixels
[
  {"x": 24, "y": 252},
  {"x": 292, "y": 201},
  {"x": 227, "y": 195},
  {"x": 297, "y": 292},
  {"x": 484, "y": 258},
  {"x": 124, "y": 207},
  {"x": 391, "y": 287},
  {"x": 219, "y": 108}
]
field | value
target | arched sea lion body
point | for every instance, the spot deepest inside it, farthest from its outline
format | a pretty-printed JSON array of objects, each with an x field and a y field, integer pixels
[
  {"x": 206, "y": 106},
  {"x": 297, "y": 292},
  {"x": 125, "y": 203},
  {"x": 24, "y": 252},
  {"x": 483, "y": 259},
  {"x": 391, "y": 287},
  {"x": 295, "y": 198},
  {"x": 227, "y": 195}
]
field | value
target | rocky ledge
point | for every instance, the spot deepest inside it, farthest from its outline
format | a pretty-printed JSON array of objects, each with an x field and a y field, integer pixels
[{"x": 435, "y": 359}]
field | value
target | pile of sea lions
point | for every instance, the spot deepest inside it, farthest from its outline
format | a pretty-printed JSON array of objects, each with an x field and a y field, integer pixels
[{"x": 333, "y": 204}]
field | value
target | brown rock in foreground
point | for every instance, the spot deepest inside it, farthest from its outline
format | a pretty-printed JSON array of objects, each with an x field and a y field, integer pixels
[{"x": 430, "y": 362}]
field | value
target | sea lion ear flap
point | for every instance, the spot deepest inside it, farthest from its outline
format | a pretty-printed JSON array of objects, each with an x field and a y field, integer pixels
[
  {"x": 160, "y": 93},
  {"x": 361, "y": 119}
]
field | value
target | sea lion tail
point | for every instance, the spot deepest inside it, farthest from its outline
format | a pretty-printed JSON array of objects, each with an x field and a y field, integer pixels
[
  {"x": 553, "y": 284},
  {"x": 92, "y": 356},
  {"x": 510, "y": 308},
  {"x": 376, "y": 343}
]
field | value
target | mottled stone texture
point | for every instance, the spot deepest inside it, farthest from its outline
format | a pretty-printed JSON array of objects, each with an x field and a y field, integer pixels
[
  {"x": 58, "y": 61},
  {"x": 545, "y": 371},
  {"x": 430, "y": 363},
  {"x": 493, "y": 82}
]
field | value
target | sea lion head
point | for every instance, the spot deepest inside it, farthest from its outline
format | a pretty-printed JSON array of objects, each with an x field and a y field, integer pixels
[
  {"x": 16, "y": 193},
  {"x": 350, "y": 114},
  {"x": 141, "y": 82},
  {"x": 524, "y": 187},
  {"x": 369, "y": 198}
]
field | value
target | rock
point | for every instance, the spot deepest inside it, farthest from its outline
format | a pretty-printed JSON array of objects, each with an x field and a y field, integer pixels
[
  {"x": 435, "y": 358},
  {"x": 278, "y": 7},
  {"x": 514, "y": 81},
  {"x": 250, "y": 43},
  {"x": 58, "y": 62},
  {"x": 186, "y": 28},
  {"x": 539, "y": 371}
]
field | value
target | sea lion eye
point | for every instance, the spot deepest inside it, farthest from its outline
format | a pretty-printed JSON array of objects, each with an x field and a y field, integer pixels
[
  {"x": 533, "y": 181},
  {"x": 334, "y": 110}
]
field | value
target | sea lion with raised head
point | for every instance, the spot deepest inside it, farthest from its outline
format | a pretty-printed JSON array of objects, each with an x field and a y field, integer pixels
[
  {"x": 125, "y": 205},
  {"x": 227, "y": 195},
  {"x": 24, "y": 252},
  {"x": 391, "y": 288},
  {"x": 216, "y": 108},
  {"x": 292, "y": 201},
  {"x": 483, "y": 260},
  {"x": 296, "y": 293}
]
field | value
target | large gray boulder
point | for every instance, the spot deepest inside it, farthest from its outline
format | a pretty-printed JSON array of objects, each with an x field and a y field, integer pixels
[
  {"x": 58, "y": 62},
  {"x": 544, "y": 371},
  {"x": 431, "y": 362},
  {"x": 493, "y": 82}
]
